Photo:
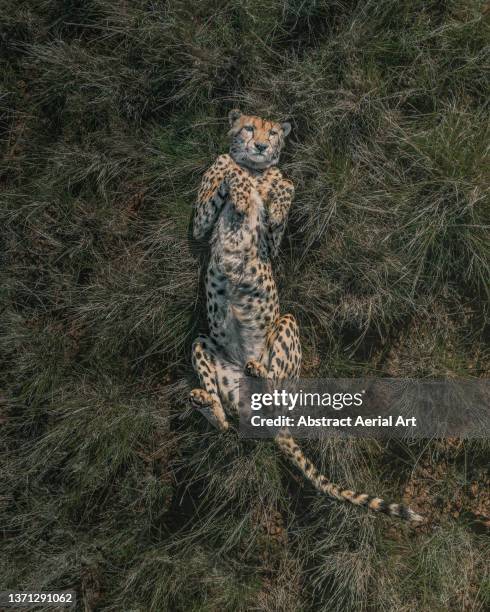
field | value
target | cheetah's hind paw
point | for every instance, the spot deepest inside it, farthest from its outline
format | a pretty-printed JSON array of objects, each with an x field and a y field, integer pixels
[
  {"x": 202, "y": 401},
  {"x": 255, "y": 369}
]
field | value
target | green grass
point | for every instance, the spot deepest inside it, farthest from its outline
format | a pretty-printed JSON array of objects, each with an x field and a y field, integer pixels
[{"x": 109, "y": 114}]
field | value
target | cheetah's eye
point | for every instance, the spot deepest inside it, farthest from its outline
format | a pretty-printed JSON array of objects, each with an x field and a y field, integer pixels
[
  {"x": 273, "y": 133},
  {"x": 249, "y": 128}
]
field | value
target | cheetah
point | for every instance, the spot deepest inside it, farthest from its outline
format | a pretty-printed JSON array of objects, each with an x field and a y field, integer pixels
[{"x": 243, "y": 203}]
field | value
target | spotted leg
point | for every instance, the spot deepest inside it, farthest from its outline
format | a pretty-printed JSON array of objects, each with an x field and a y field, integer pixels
[
  {"x": 240, "y": 186},
  {"x": 211, "y": 195},
  {"x": 206, "y": 399},
  {"x": 281, "y": 358},
  {"x": 277, "y": 192}
]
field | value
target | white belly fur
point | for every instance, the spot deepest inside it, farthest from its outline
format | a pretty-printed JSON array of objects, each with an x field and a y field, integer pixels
[{"x": 235, "y": 249}]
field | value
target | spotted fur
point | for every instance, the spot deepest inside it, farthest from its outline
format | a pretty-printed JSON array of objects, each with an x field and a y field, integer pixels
[{"x": 244, "y": 201}]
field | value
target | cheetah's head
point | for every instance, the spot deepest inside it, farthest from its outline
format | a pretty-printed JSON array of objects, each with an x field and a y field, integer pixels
[{"x": 256, "y": 143}]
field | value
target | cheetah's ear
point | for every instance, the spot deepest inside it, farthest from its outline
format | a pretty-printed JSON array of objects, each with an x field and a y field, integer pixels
[
  {"x": 286, "y": 128},
  {"x": 233, "y": 115}
]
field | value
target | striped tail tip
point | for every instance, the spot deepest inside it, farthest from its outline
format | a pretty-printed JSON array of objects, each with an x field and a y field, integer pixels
[
  {"x": 377, "y": 504},
  {"x": 403, "y": 512},
  {"x": 413, "y": 517}
]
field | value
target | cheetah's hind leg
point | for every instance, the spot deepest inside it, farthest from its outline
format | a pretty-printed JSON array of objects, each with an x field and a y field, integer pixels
[
  {"x": 280, "y": 362},
  {"x": 206, "y": 399},
  {"x": 281, "y": 358}
]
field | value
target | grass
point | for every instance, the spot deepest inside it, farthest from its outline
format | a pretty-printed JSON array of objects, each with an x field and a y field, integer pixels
[{"x": 109, "y": 114}]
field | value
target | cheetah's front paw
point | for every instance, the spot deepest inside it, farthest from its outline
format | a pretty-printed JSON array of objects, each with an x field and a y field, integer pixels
[{"x": 239, "y": 189}]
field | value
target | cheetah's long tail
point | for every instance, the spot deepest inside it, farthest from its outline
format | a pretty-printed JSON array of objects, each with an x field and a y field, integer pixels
[{"x": 289, "y": 447}]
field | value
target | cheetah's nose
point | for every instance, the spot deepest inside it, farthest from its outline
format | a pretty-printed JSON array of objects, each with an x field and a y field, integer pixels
[{"x": 260, "y": 146}]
